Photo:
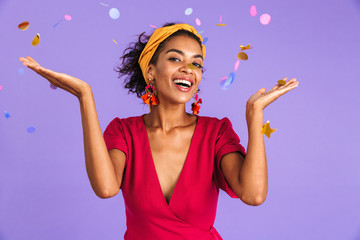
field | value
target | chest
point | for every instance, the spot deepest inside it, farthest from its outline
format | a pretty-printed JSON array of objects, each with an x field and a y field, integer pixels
[{"x": 169, "y": 153}]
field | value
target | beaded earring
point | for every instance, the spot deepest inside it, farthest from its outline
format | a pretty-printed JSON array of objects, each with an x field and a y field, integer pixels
[
  {"x": 150, "y": 97},
  {"x": 195, "y": 107}
]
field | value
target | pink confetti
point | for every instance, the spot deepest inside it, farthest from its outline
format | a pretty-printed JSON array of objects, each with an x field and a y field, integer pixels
[
  {"x": 220, "y": 18},
  {"x": 198, "y": 22},
  {"x": 1, "y": 87},
  {"x": 253, "y": 11},
  {"x": 67, "y": 17},
  {"x": 152, "y": 26},
  {"x": 236, "y": 66},
  {"x": 265, "y": 19}
]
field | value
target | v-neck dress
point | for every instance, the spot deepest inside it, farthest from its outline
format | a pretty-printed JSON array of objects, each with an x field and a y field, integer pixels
[{"x": 191, "y": 211}]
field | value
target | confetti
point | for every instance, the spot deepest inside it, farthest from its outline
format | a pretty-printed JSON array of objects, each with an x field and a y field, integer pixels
[
  {"x": 205, "y": 40},
  {"x": 7, "y": 114},
  {"x": 267, "y": 130},
  {"x": 236, "y": 66},
  {"x": 192, "y": 66},
  {"x": 220, "y": 18},
  {"x": 225, "y": 82},
  {"x": 200, "y": 32},
  {"x": 1, "y": 87},
  {"x": 68, "y": 17},
  {"x": 53, "y": 86},
  {"x": 115, "y": 41},
  {"x": 152, "y": 26},
  {"x": 221, "y": 24},
  {"x": 253, "y": 11},
  {"x": 114, "y": 13},
  {"x": 56, "y": 24},
  {"x": 24, "y": 25},
  {"x": 198, "y": 22},
  {"x": 20, "y": 71},
  {"x": 242, "y": 56},
  {"x": 282, "y": 82},
  {"x": 104, "y": 4},
  {"x": 188, "y": 11},
  {"x": 245, "y": 48},
  {"x": 36, "y": 40},
  {"x": 30, "y": 129},
  {"x": 265, "y": 19}
]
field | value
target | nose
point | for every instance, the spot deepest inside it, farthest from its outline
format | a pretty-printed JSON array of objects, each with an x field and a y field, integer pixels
[{"x": 186, "y": 68}]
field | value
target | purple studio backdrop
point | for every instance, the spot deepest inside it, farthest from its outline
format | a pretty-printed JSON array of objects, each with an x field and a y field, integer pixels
[{"x": 313, "y": 157}]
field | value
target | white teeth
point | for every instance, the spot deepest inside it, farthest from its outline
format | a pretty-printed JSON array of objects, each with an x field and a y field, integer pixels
[{"x": 183, "y": 81}]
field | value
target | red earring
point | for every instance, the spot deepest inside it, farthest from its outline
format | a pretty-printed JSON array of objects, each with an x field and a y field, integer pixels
[
  {"x": 195, "y": 107},
  {"x": 149, "y": 97}
]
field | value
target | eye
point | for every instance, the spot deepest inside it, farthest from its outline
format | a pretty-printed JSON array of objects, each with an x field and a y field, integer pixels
[
  {"x": 197, "y": 65},
  {"x": 174, "y": 59}
]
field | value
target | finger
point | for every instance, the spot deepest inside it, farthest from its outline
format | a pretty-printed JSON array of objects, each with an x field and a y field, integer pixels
[
  {"x": 32, "y": 60},
  {"x": 261, "y": 91}
]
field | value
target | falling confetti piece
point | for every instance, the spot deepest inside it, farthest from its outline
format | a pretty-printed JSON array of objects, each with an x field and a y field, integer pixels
[
  {"x": 205, "y": 40},
  {"x": 56, "y": 24},
  {"x": 114, "y": 13},
  {"x": 200, "y": 32},
  {"x": 188, "y": 11},
  {"x": 267, "y": 130},
  {"x": 236, "y": 66},
  {"x": 227, "y": 81},
  {"x": 53, "y": 86},
  {"x": 253, "y": 11},
  {"x": 221, "y": 24},
  {"x": 36, "y": 40},
  {"x": 115, "y": 41},
  {"x": 68, "y": 17},
  {"x": 242, "y": 56},
  {"x": 30, "y": 129},
  {"x": 1, "y": 87},
  {"x": 7, "y": 114},
  {"x": 265, "y": 19},
  {"x": 104, "y": 4},
  {"x": 220, "y": 18},
  {"x": 20, "y": 71},
  {"x": 152, "y": 26},
  {"x": 282, "y": 82},
  {"x": 24, "y": 25},
  {"x": 198, "y": 22},
  {"x": 192, "y": 66},
  {"x": 245, "y": 47}
]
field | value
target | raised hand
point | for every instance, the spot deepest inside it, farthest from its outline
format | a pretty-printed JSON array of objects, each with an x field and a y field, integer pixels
[
  {"x": 261, "y": 99},
  {"x": 70, "y": 84}
]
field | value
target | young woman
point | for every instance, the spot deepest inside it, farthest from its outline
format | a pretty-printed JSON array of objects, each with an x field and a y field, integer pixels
[{"x": 168, "y": 163}]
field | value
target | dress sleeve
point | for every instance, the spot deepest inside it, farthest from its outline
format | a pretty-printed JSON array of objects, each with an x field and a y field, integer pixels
[
  {"x": 227, "y": 141},
  {"x": 114, "y": 136}
]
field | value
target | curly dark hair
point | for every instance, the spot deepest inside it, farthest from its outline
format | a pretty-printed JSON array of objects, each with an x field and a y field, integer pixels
[{"x": 130, "y": 68}]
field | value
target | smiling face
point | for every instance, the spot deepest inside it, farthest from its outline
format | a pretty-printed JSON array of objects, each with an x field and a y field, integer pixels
[{"x": 178, "y": 64}]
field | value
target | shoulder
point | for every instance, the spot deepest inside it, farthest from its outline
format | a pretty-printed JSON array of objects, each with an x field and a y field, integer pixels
[
  {"x": 214, "y": 121},
  {"x": 125, "y": 123}
]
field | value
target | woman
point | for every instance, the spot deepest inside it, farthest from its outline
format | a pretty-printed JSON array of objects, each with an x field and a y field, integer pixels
[{"x": 170, "y": 164}]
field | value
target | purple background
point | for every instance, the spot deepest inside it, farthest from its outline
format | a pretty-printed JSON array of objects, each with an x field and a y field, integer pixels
[{"x": 313, "y": 158}]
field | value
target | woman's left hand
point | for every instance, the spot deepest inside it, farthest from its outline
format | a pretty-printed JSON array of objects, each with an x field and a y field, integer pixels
[{"x": 261, "y": 99}]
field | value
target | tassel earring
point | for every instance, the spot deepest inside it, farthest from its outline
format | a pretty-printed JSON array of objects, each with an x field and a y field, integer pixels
[
  {"x": 149, "y": 97},
  {"x": 195, "y": 107}
]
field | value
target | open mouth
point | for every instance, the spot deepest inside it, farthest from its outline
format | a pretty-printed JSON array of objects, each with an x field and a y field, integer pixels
[{"x": 183, "y": 83}]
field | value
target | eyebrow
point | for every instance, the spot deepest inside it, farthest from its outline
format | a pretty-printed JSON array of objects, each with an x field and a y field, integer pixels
[{"x": 182, "y": 53}]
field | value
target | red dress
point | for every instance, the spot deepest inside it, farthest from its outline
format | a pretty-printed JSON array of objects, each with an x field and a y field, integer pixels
[{"x": 191, "y": 211}]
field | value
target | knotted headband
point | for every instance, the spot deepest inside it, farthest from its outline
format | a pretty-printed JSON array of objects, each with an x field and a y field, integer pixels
[{"x": 159, "y": 35}]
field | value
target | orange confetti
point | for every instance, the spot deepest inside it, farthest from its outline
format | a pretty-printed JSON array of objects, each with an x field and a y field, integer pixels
[
  {"x": 24, "y": 25},
  {"x": 245, "y": 47},
  {"x": 242, "y": 56},
  {"x": 36, "y": 40},
  {"x": 267, "y": 130},
  {"x": 221, "y": 24}
]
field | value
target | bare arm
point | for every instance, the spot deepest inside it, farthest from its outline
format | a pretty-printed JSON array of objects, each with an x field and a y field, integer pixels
[{"x": 104, "y": 169}]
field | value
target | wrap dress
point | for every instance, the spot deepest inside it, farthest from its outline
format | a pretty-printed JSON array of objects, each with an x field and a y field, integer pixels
[{"x": 191, "y": 211}]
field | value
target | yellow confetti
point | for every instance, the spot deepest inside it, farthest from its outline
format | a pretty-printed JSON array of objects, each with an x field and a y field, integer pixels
[
  {"x": 115, "y": 41},
  {"x": 245, "y": 47},
  {"x": 36, "y": 40},
  {"x": 281, "y": 82},
  {"x": 192, "y": 66},
  {"x": 24, "y": 25},
  {"x": 242, "y": 56},
  {"x": 221, "y": 24},
  {"x": 267, "y": 130}
]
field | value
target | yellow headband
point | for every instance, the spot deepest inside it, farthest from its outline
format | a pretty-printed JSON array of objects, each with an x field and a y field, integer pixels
[{"x": 159, "y": 35}]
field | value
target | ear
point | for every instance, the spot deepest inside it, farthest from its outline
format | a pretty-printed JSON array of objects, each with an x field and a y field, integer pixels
[{"x": 150, "y": 71}]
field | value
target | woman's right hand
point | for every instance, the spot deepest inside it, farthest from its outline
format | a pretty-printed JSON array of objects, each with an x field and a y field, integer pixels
[{"x": 70, "y": 84}]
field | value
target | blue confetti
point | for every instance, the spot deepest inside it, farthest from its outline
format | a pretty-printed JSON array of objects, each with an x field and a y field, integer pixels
[
  {"x": 114, "y": 13},
  {"x": 30, "y": 129},
  {"x": 20, "y": 71},
  {"x": 225, "y": 83},
  {"x": 7, "y": 114},
  {"x": 205, "y": 40},
  {"x": 55, "y": 25},
  {"x": 188, "y": 11}
]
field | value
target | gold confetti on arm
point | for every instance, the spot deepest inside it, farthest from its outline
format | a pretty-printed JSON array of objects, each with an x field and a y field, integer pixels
[
  {"x": 267, "y": 130},
  {"x": 36, "y": 40},
  {"x": 221, "y": 24}
]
